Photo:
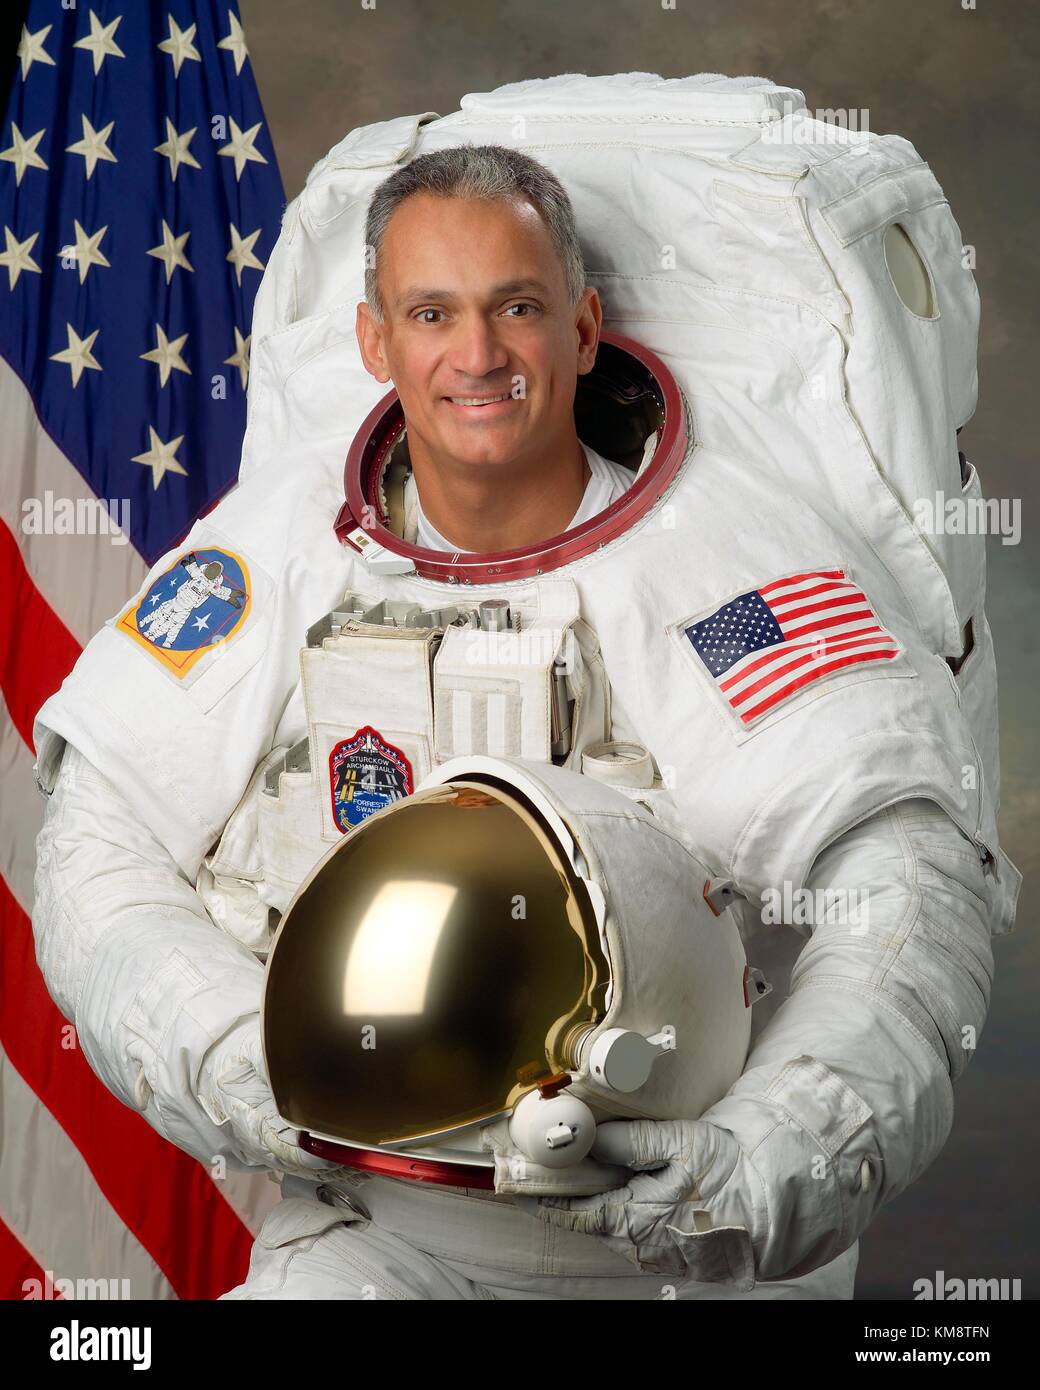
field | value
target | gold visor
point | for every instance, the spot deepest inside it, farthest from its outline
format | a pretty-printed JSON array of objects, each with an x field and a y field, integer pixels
[{"x": 439, "y": 963}]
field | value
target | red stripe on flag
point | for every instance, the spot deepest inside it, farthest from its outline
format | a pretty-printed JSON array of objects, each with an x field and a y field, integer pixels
[
  {"x": 811, "y": 676},
  {"x": 797, "y": 579},
  {"x": 163, "y": 1195},
  {"x": 17, "y": 1267},
  {"x": 797, "y": 595},
  {"x": 782, "y": 649},
  {"x": 37, "y": 651},
  {"x": 812, "y": 655},
  {"x": 824, "y": 605},
  {"x": 818, "y": 623}
]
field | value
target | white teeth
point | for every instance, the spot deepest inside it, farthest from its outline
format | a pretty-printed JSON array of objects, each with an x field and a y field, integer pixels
[{"x": 477, "y": 400}]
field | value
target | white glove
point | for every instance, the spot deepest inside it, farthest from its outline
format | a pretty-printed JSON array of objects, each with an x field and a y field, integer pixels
[
  {"x": 515, "y": 1173},
  {"x": 697, "y": 1207},
  {"x": 235, "y": 1090}
]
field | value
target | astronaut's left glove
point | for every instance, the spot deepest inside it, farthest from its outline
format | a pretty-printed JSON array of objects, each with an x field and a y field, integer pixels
[
  {"x": 763, "y": 1186},
  {"x": 697, "y": 1206}
]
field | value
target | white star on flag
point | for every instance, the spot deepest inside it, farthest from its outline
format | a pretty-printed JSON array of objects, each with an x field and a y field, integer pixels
[
  {"x": 31, "y": 49},
  {"x": 100, "y": 43},
  {"x": 16, "y": 257},
  {"x": 93, "y": 146},
  {"x": 179, "y": 46},
  {"x": 160, "y": 458},
  {"x": 175, "y": 149},
  {"x": 241, "y": 253},
  {"x": 167, "y": 355},
  {"x": 240, "y": 147},
  {"x": 22, "y": 153},
  {"x": 85, "y": 252},
  {"x": 78, "y": 355},
  {"x": 240, "y": 357},
  {"x": 171, "y": 252},
  {"x": 235, "y": 41}
]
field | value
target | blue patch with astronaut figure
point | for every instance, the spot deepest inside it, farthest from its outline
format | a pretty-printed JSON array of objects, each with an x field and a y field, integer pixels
[{"x": 198, "y": 602}]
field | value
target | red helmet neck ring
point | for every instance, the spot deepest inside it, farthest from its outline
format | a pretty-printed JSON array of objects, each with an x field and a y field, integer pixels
[
  {"x": 362, "y": 514},
  {"x": 391, "y": 1165}
]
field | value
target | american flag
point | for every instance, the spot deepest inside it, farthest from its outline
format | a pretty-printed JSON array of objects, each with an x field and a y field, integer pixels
[
  {"x": 139, "y": 201},
  {"x": 763, "y": 647}
]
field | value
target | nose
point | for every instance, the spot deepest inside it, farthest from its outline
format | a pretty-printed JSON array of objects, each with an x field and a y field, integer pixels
[{"x": 476, "y": 351}]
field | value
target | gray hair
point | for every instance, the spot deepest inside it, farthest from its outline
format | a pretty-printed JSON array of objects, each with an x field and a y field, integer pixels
[{"x": 489, "y": 172}]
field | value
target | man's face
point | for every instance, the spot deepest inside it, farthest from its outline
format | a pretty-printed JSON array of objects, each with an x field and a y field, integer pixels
[{"x": 475, "y": 308}]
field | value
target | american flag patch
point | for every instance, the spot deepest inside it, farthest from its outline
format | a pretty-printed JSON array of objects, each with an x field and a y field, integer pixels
[{"x": 763, "y": 647}]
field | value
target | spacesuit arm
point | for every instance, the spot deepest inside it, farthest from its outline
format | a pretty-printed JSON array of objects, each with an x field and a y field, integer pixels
[
  {"x": 846, "y": 1097},
  {"x": 164, "y": 1003}
]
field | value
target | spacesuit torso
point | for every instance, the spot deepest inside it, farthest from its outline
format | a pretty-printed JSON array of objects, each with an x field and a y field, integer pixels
[{"x": 760, "y": 786}]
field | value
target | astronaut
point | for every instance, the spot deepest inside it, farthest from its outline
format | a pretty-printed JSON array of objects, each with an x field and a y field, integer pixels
[
  {"x": 203, "y": 582},
  {"x": 750, "y": 642}
]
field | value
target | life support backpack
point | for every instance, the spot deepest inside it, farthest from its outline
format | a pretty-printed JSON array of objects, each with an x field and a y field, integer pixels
[{"x": 763, "y": 254}]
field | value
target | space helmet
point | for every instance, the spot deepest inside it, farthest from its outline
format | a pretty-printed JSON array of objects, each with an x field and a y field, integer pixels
[{"x": 513, "y": 941}]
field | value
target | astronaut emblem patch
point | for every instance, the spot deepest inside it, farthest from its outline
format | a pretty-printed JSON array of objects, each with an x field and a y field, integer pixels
[
  {"x": 764, "y": 647},
  {"x": 365, "y": 774},
  {"x": 191, "y": 608}
]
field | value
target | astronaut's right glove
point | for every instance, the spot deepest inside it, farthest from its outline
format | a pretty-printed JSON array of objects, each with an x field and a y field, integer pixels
[{"x": 234, "y": 1090}]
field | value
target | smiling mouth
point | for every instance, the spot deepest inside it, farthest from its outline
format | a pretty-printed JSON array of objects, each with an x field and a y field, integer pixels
[{"x": 479, "y": 401}]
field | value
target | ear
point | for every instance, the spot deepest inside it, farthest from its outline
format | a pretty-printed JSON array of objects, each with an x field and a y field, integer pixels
[
  {"x": 370, "y": 343},
  {"x": 587, "y": 322}
]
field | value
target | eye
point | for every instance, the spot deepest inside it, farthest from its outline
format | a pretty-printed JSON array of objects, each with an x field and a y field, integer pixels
[
  {"x": 426, "y": 311},
  {"x": 530, "y": 307}
]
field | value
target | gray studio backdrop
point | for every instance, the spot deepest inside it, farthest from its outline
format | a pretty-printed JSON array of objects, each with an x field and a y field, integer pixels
[{"x": 960, "y": 85}]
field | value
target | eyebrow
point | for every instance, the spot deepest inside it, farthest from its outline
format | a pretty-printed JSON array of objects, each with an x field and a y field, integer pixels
[{"x": 507, "y": 287}]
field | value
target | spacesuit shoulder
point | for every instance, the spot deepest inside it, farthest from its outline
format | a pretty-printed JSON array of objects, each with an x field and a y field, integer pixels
[
  {"x": 775, "y": 670},
  {"x": 179, "y": 694}
]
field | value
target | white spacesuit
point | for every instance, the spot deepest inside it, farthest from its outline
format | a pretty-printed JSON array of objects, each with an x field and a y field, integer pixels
[{"x": 810, "y": 677}]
